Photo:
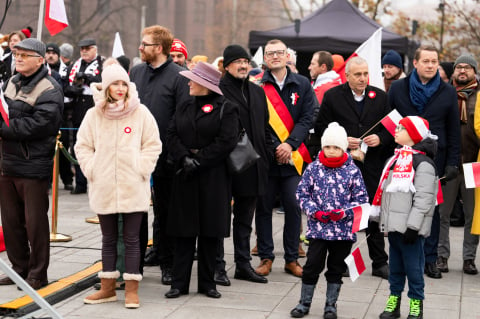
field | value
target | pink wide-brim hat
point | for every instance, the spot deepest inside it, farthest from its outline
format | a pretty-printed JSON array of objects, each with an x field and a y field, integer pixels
[{"x": 206, "y": 75}]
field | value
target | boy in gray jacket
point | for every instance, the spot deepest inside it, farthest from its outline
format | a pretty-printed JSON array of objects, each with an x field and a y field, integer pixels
[{"x": 406, "y": 200}]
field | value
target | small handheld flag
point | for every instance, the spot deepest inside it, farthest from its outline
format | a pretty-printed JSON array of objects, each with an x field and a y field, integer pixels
[
  {"x": 355, "y": 264},
  {"x": 360, "y": 217},
  {"x": 4, "y": 108},
  {"x": 391, "y": 120},
  {"x": 471, "y": 171}
]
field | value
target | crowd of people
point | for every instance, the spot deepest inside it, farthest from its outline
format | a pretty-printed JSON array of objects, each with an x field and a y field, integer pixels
[{"x": 163, "y": 130}]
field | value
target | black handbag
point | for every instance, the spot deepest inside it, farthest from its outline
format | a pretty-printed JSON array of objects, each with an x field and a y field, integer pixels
[{"x": 243, "y": 155}]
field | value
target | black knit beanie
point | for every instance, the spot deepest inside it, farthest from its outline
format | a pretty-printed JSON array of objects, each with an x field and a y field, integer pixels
[{"x": 234, "y": 52}]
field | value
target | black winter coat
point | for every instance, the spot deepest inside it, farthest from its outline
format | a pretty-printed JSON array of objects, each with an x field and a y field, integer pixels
[
  {"x": 339, "y": 105},
  {"x": 253, "y": 111},
  {"x": 161, "y": 90},
  {"x": 81, "y": 103},
  {"x": 441, "y": 111},
  {"x": 200, "y": 203},
  {"x": 35, "y": 106}
]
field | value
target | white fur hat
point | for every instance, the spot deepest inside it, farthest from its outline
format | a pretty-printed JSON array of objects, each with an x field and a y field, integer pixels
[{"x": 335, "y": 135}]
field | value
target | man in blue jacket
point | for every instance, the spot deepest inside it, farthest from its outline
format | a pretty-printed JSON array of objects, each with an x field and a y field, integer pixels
[
  {"x": 292, "y": 99},
  {"x": 423, "y": 93}
]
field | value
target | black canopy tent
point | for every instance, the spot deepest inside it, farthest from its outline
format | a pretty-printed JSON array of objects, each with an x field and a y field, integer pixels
[{"x": 338, "y": 27}]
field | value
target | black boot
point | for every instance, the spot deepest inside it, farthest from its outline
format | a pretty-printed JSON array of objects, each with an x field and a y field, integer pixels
[
  {"x": 330, "y": 311},
  {"x": 416, "y": 309},
  {"x": 303, "y": 307},
  {"x": 392, "y": 309}
]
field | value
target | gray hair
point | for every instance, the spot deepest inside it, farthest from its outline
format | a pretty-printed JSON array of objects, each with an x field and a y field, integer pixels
[
  {"x": 357, "y": 60},
  {"x": 293, "y": 55}
]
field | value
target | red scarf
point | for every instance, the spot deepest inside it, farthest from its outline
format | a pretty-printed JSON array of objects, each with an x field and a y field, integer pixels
[{"x": 332, "y": 162}]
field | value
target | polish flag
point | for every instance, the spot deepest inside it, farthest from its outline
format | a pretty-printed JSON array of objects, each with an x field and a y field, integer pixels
[
  {"x": 471, "y": 171},
  {"x": 55, "y": 16},
  {"x": 391, "y": 121},
  {"x": 371, "y": 51},
  {"x": 360, "y": 217},
  {"x": 355, "y": 264},
  {"x": 439, "y": 194},
  {"x": 4, "y": 108}
]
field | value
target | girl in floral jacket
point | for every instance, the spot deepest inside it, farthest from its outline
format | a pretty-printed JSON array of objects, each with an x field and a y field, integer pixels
[{"x": 329, "y": 186}]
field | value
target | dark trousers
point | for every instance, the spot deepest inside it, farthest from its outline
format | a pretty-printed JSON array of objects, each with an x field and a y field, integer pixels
[
  {"x": 406, "y": 262},
  {"x": 376, "y": 245},
  {"x": 337, "y": 251},
  {"x": 163, "y": 244},
  {"x": 24, "y": 204},
  {"x": 243, "y": 211},
  {"x": 131, "y": 240},
  {"x": 65, "y": 167},
  {"x": 286, "y": 186},
  {"x": 431, "y": 242},
  {"x": 183, "y": 261},
  {"x": 80, "y": 179}
]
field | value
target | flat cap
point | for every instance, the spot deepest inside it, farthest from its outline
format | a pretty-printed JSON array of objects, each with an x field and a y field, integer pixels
[
  {"x": 32, "y": 44},
  {"x": 87, "y": 42}
]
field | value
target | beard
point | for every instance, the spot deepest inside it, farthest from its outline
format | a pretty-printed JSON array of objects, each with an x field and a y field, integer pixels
[
  {"x": 463, "y": 81},
  {"x": 147, "y": 57}
]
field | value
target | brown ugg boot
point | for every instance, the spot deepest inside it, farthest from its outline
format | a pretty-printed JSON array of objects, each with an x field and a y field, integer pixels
[
  {"x": 107, "y": 290},
  {"x": 131, "y": 290}
]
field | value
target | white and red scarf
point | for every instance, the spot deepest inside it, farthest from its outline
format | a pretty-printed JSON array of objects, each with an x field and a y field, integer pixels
[
  {"x": 92, "y": 69},
  {"x": 402, "y": 176}
]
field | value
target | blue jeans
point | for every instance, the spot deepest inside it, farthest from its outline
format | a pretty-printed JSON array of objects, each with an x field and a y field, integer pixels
[
  {"x": 406, "y": 262},
  {"x": 286, "y": 186}
]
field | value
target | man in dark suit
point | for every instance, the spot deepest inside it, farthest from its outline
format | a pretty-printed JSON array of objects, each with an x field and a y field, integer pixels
[
  {"x": 248, "y": 185},
  {"x": 357, "y": 107}
]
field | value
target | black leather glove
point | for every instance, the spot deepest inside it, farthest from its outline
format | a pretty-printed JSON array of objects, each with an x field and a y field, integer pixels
[
  {"x": 450, "y": 173},
  {"x": 373, "y": 227},
  {"x": 190, "y": 165},
  {"x": 410, "y": 236}
]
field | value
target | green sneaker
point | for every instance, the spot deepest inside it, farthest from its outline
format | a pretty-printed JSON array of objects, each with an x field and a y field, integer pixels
[
  {"x": 416, "y": 309},
  {"x": 392, "y": 310}
]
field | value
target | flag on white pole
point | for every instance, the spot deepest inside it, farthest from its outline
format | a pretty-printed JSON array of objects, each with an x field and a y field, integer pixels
[
  {"x": 391, "y": 121},
  {"x": 370, "y": 50},
  {"x": 55, "y": 16},
  {"x": 117, "y": 46},
  {"x": 4, "y": 108},
  {"x": 258, "y": 57},
  {"x": 360, "y": 217},
  {"x": 355, "y": 264},
  {"x": 471, "y": 172}
]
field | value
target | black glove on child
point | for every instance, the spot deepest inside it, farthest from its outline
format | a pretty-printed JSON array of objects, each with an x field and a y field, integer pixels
[
  {"x": 190, "y": 165},
  {"x": 410, "y": 236}
]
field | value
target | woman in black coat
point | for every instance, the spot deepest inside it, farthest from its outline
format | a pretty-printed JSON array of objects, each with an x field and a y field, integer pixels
[{"x": 202, "y": 133}]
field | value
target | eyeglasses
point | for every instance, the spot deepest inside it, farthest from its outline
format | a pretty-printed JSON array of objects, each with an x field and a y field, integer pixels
[
  {"x": 399, "y": 128},
  {"x": 144, "y": 45},
  {"x": 463, "y": 67},
  {"x": 86, "y": 48},
  {"x": 240, "y": 61},
  {"x": 25, "y": 55},
  {"x": 271, "y": 54}
]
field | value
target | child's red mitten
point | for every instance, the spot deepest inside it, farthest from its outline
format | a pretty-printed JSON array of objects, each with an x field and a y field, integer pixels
[
  {"x": 323, "y": 217},
  {"x": 336, "y": 215}
]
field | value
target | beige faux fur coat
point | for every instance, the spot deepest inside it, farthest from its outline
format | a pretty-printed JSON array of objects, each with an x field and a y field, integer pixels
[{"x": 117, "y": 158}]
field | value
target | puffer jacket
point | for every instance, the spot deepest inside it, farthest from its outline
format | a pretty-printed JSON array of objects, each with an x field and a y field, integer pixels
[
  {"x": 117, "y": 157},
  {"x": 35, "y": 105},
  {"x": 400, "y": 210},
  {"x": 324, "y": 189}
]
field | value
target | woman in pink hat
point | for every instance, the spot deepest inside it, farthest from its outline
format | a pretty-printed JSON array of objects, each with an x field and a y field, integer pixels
[{"x": 202, "y": 133}]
